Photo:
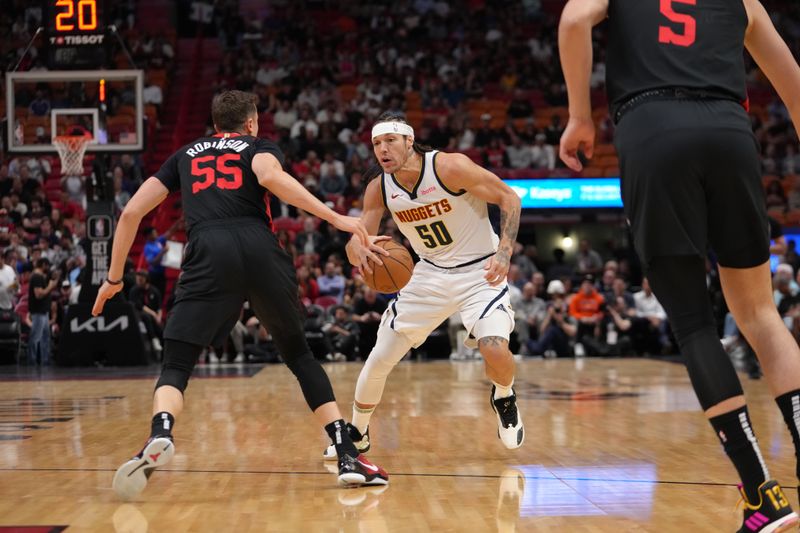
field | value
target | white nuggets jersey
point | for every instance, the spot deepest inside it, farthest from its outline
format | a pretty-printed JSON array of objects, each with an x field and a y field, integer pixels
[{"x": 445, "y": 228}]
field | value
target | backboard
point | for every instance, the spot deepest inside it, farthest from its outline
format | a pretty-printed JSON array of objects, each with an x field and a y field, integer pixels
[{"x": 106, "y": 104}]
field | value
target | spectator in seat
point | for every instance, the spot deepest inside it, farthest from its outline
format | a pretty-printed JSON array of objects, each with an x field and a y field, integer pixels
[
  {"x": 152, "y": 93},
  {"x": 586, "y": 307},
  {"x": 776, "y": 197},
  {"x": 588, "y": 261},
  {"x": 543, "y": 155},
  {"x": 331, "y": 282},
  {"x": 304, "y": 123},
  {"x": 121, "y": 196},
  {"x": 40, "y": 105},
  {"x": 520, "y": 106},
  {"x": 147, "y": 300},
  {"x": 367, "y": 312},
  {"x": 332, "y": 180},
  {"x": 286, "y": 116},
  {"x": 495, "y": 154},
  {"x": 554, "y": 130},
  {"x": 557, "y": 328},
  {"x": 529, "y": 313},
  {"x": 308, "y": 241},
  {"x": 651, "y": 320},
  {"x": 342, "y": 334},
  {"x": 154, "y": 250},
  {"x": 519, "y": 155},
  {"x": 8, "y": 280},
  {"x": 485, "y": 134},
  {"x": 559, "y": 268},
  {"x": 309, "y": 290}
]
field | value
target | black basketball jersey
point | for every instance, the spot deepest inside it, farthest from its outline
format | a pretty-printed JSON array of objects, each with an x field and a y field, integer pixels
[
  {"x": 216, "y": 180},
  {"x": 654, "y": 44}
]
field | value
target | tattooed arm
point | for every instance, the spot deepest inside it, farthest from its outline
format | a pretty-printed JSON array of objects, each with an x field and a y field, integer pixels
[{"x": 458, "y": 173}]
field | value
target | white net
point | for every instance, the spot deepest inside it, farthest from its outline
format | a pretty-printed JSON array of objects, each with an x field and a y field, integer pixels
[{"x": 71, "y": 149}]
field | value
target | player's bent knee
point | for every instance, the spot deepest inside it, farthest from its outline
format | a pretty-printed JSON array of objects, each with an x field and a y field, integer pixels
[
  {"x": 179, "y": 361},
  {"x": 494, "y": 348}
]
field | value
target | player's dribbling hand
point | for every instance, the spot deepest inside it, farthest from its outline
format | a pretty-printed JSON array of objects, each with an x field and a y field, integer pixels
[
  {"x": 578, "y": 136},
  {"x": 104, "y": 293},
  {"x": 352, "y": 225},
  {"x": 371, "y": 252}
]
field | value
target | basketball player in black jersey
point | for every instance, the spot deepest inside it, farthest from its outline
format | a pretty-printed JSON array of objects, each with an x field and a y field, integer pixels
[
  {"x": 232, "y": 255},
  {"x": 691, "y": 181}
]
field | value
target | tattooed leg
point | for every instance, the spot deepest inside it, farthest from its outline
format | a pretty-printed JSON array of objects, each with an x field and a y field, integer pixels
[{"x": 498, "y": 360}]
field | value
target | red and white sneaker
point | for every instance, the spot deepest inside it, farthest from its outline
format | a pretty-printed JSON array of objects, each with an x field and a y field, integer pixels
[
  {"x": 358, "y": 471},
  {"x": 131, "y": 478}
]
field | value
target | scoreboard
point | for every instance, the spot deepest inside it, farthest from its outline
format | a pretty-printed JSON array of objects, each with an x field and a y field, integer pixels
[{"x": 75, "y": 31}]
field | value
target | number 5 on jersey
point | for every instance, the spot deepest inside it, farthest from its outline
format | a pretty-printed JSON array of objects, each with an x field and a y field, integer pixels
[
  {"x": 434, "y": 235},
  {"x": 666, "y": 35},
  {"x": 209, "y": 174}
]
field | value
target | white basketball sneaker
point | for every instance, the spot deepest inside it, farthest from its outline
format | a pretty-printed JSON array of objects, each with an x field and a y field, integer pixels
[
  {"x": 361, "y": 442},
  {"x": 509, "y": 423},
  {"x": 131, "y": 478}
]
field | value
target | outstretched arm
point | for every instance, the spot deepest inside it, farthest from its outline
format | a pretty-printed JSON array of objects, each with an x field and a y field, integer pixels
[
  {"x": 458, "y": 172},
  {"x": 271, "y": 175},
  {"x": 150, "y": 194},
  {"x": 575, "y": 47}
]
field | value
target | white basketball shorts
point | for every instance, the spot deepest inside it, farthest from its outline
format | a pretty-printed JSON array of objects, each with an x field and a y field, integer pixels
[{"x": 434, "y": 293}]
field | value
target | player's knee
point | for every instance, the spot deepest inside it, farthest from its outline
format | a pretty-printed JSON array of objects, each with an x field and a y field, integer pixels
[
  {"x": 293, "y": 348},
  {"x": 179, "y": 361},
  {"x": 494, "y": 349}
]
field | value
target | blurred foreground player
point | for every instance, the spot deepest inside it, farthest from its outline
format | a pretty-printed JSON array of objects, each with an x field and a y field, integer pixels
[
  {"x": 691, "y": 180},
  {"x": 232, "y": 255}
]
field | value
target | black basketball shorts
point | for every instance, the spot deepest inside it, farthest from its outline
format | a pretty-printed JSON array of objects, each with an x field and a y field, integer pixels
[
  {"x": 691, "y": 181},
  {"x": 226, "y": 262}
]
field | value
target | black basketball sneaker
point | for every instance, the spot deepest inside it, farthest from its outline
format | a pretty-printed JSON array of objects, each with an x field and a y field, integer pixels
[
  {"x": 131, "y": 478},
  {"x": 358, "y": 471},
  {"x": 509, "y": 424},
  {"x": 772, "y": 514},
  {"x": 361, "y": 442}
]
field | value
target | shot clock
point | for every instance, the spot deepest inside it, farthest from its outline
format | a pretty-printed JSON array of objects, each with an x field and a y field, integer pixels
[{"x": 75, "y": 31}]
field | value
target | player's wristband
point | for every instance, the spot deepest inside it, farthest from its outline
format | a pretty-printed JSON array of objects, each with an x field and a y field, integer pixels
[{"x": 118, "y": 282}]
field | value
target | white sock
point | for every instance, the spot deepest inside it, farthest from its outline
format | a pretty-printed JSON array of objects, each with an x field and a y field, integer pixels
[
  {"x": 503, "y": 391},
  {"x": 361, "y": 418}
]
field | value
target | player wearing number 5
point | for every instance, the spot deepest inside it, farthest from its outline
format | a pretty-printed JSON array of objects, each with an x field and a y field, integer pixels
[
  {"x": 691, "y": 180},
  {"x": 439, "y": 202},
  {"x": 232, "y": 255}
]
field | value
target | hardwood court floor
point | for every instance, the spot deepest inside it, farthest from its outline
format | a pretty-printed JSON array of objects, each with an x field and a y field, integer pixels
[{"x": 611, "y": 446}]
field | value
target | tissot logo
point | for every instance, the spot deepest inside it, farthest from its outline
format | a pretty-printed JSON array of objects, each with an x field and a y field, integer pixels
[{"x": 98, "y": 324}]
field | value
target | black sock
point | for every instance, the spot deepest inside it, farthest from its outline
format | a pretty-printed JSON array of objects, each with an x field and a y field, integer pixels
[
  {"x": 337, "y": 431},
  {"x": 789, "y": 404},
  {"x": 739, "y": 441},
  {"x": 161, "y": 425}
]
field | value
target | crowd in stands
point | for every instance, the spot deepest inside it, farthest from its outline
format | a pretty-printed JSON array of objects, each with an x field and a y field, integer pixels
[{"x": 322, "y": 77}]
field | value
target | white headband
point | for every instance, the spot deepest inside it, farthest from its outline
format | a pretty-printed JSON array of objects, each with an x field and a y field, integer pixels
[{"x": 392, "y": 127}]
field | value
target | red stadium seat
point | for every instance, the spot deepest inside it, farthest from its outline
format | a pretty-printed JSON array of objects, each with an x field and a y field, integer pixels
[{"x": 326, "y": 301}]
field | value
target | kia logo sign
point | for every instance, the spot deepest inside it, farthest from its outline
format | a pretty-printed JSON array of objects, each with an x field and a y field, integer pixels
[{"x": 98, "y": 324}]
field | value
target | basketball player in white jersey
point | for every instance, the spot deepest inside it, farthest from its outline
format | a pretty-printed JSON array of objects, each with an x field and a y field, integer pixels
[{"x": 439, "y": 202}]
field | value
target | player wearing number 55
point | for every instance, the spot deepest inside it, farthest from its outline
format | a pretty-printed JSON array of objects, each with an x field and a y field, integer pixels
[
  {"x": 691, "y": 181},
  {"x": 232, "y": 255},
  {"x": 439, "y": 202}
]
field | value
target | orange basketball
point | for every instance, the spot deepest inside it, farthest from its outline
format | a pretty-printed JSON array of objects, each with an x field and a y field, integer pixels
[{"x": 396, "y": 269}]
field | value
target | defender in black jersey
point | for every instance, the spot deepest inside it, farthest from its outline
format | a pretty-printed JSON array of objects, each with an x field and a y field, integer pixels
[
  {"x": 691, "y": 183},
  {"x": 232, "y": 255}
]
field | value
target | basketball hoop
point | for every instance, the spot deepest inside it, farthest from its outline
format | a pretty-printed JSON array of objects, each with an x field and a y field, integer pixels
[{"x": 71, "y": 149}]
